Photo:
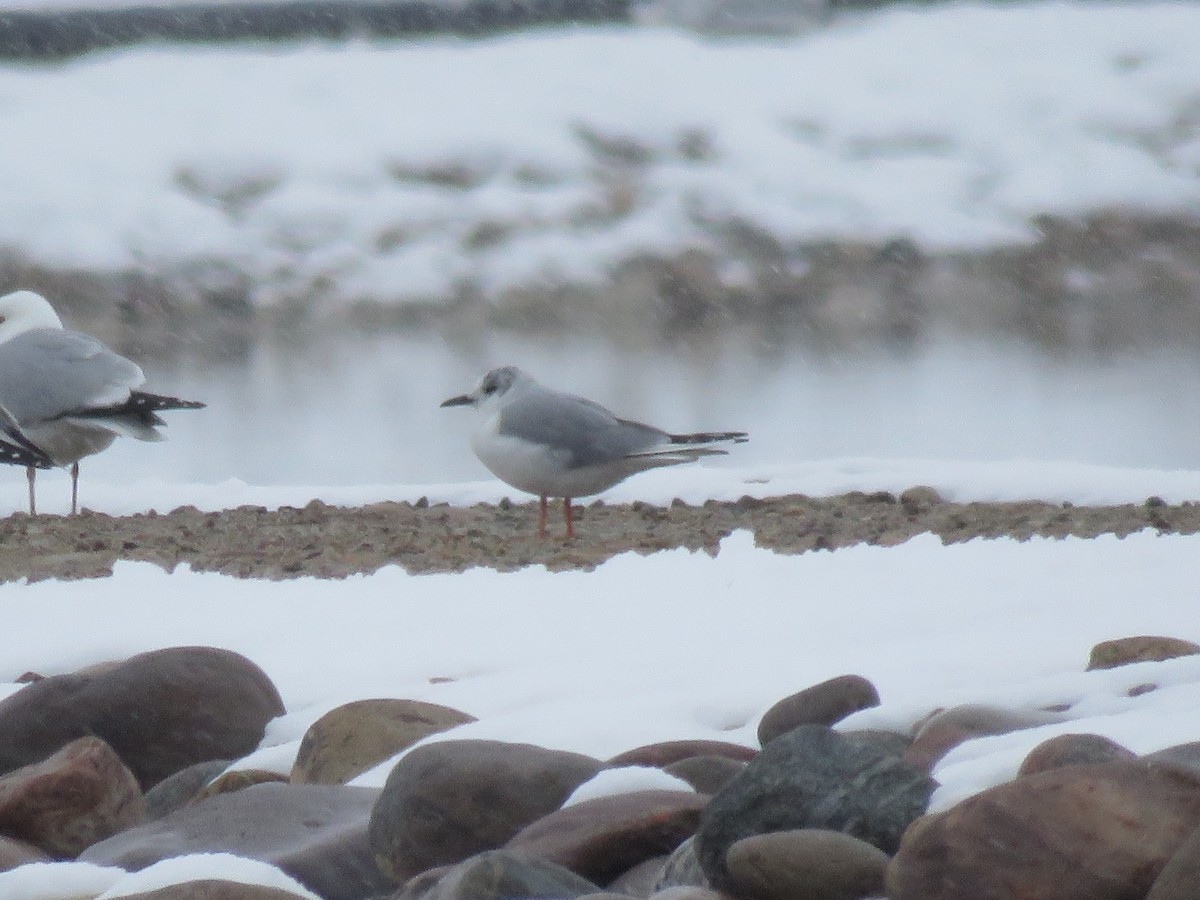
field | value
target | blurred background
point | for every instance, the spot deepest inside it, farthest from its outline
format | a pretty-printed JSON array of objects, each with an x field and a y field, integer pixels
[{"x": 944, "y": 230}]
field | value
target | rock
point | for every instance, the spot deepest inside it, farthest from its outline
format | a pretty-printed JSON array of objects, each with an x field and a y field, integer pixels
[
  {"x": 807, "y": 864},
  {"x": 887, "y": 743},
  {"x": 80, "y": 795},
  {"x": 1182, "y": 756},
  {"x": 822, "y": 704},
  {"x": 668, "y": 752},
  {"x": 1144, "y": 648},
  {"x": 601, "y": 838},
  {"x": 689, "y": 893},
  {"x": 449, "y": 800},
  {"x": 237, "y": 780},
  {"x": 682, "y": 869},
  {"x": 1089, "y": 832},
  {"x": 641, "y": 879},
  {"x": 919, "y": 499},
  {"x": 181, "y": 788},
  {"x": 606, "y": 895},
  {"x": 706, "y": 774},
  {"x": 1180, "y": 877},
  {"x": 812, "y": 777},
  {"x": 948, "y": 728},
  {"x": 352, "y": 738},
  {"x": 315, "y": 833},
  {"x": 214, "y": 889},
  {"x": 15, "y": 853},
  {"x": 160, "y": 711},
  {"x": 501, "y": 875},
  {"x": 1072, "y": 750}
]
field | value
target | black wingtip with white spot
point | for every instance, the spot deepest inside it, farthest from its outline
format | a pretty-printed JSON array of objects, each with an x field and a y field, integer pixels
[
  {"x": 711, "y": 437},
  {"x": 13, "y": 455}
]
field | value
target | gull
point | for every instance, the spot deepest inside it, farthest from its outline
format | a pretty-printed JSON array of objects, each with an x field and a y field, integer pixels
[
  {"x": 552, "y": 444},
  {"x": 64, "y": 395}
]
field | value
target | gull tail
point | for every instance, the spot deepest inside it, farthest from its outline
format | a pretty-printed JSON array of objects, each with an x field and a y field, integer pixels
[
  {"x": 710, "y": 437},
  {"x": 135, "y": 417}
]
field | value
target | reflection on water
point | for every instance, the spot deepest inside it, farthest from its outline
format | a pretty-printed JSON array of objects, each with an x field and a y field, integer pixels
[{"x": 365, "y": 410}]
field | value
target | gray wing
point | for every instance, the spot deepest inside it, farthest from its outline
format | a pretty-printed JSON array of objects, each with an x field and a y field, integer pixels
[
  {"x": 585, "y": 432},
  {"x": 47, "y": 373}
]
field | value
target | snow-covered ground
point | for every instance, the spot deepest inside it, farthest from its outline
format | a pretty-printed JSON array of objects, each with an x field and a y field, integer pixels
[
  {"x": 630, "y": 653},
  {"x": 398, "y": 170}
]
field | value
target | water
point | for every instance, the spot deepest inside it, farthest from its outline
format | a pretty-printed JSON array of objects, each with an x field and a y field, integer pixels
[{"x": 365, "y": 410}]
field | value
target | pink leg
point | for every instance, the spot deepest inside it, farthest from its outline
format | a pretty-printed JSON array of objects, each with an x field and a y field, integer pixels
[
  {"x": 567, "y": 513},
  {"x": 74, "y": 488},
  {"x": 31, "y": 474},
  {"x": 542, "y": 518}
]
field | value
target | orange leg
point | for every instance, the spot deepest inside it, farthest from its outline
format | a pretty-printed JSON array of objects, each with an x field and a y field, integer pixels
[
  {"x": 542, "y": 517},
  {"x": 567, "y": 512}
]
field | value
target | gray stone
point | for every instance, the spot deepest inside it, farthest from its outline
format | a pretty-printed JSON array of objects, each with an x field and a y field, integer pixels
[
  {"x": 180, "y": 789},
  {"x": 449, "y": 800},
  {"x": 640, "y": 881},
  {"x": 807, "y": 864},
  {"x": 315, "y": 833},
  {"x": 15, "y": 853},
  {"x": 160, "y": 711},
  {"x": 682, "y": 869},
  {"x": 812, "y": 777},
  {"x": 822, "y": 704}
]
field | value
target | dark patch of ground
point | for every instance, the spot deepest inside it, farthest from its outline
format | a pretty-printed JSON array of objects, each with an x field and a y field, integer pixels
[{"x": 335, "y": 542}]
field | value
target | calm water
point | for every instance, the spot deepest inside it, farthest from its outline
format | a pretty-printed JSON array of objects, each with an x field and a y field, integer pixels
[{"x": 366, "y": 410}]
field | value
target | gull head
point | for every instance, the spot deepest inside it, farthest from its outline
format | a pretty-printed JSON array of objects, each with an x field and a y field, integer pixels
[
  {"x": 23, "y": 311},
  {"x": 496, "y": 388}
]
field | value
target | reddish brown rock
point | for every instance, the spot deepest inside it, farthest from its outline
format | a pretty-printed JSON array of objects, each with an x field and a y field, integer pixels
[
  {"x": 1090, "y": 832},
  {"x": 1143, "y": 648},
  {"x": 601, "y": 838},
  {"x": 822, "y": 704},
  {"x": 806, "y": 864},
  {"x": 706, "y": 774},
  {"x": 80, "y": 795},
  {"x": 160, "y": 711},
  {"x": 946, "y": 729},
  {"x": 668, "y": 752},
  {"x": 356, "y": 736},
  {"x": 237, "y": 780},
  {"x": 1072, "y": 750}
]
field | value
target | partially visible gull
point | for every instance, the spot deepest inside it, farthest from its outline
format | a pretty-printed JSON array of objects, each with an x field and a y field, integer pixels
[
  {"x": 552, "y": 444},
  {"x": 64, "y": 395}
]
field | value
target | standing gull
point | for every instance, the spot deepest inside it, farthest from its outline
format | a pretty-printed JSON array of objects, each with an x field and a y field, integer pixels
[
  {"x": 64, "y": 395},
  {"x": 554, "y": 444}
]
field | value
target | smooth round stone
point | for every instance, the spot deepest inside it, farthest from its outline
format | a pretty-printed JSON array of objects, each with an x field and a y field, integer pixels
[
  {"x": 822, "y": 704},
  {"x": 805, "y": 864},
  {"x": 1142, "y": 648},
  {"x": 352, "y": 738},
  {"x": 1072, "y": 750}
]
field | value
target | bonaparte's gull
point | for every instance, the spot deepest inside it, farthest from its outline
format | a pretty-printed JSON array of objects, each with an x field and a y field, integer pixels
[
  {"x": 64, "y": 395},
  {"x": 554, "y": 444}
]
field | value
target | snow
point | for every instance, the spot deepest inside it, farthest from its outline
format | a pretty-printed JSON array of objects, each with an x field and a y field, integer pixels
[
  {"x": 303, "y": 165},
  {"x": 680, "y": 644}
]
